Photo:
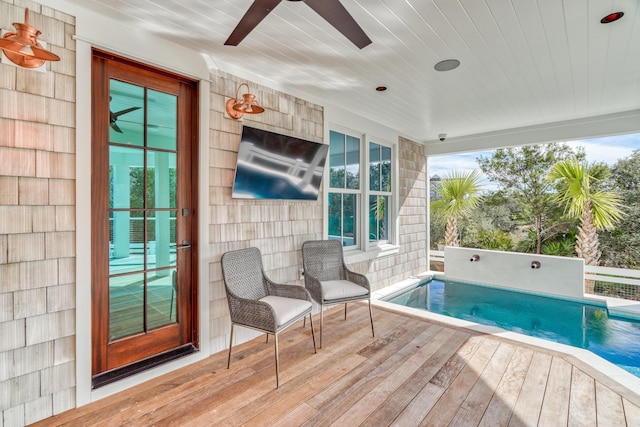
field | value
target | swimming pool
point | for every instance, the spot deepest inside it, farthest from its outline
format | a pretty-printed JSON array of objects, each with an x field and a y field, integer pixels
[{"x": 578, "y": 324}]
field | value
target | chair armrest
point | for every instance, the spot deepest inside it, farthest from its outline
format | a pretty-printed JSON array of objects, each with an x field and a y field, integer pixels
[
  {"x": 357, "y": 278},
  {"x": 313, "y": 286},
  {"x": 288, "y": 291},
  {"x": 252, "y": 313}
]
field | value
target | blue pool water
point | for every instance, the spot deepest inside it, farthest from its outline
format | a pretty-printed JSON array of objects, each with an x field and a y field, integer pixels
[{"x": 578, "y": 324}]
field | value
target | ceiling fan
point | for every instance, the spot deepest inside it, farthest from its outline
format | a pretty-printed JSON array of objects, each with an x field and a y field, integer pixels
[
  {"x": 331, "y": 10},
  {"x": 113, "y": 117}
]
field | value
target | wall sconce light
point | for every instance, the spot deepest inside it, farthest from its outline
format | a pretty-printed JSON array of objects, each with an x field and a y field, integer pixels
[
  {"x": 535, "y": 265},
  {"x": 236, "y": 108},
  {"x": 475, "y": 258},
  {"x": 22, "y": 47}
]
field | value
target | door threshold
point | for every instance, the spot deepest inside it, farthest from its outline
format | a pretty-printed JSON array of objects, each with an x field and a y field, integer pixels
[{"x": 117, "y": 374}]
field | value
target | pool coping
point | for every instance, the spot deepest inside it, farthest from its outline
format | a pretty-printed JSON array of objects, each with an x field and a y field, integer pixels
[{"x": 614, "y": 377}]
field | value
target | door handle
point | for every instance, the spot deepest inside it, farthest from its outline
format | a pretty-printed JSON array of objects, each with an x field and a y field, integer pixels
[{"x": 186, "y": 244}]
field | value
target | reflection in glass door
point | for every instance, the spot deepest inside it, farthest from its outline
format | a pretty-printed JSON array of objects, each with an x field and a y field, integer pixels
[
  {"x": 142, "y": 205},
  {"x": 142, "y": 209}
]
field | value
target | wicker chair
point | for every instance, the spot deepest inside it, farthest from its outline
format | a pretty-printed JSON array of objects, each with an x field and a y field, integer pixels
[
  {"x": 328, "y": 279},
  {"x": 257, "y": 303}
]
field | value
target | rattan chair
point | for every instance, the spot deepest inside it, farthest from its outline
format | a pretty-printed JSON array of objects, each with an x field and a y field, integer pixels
[
  {"x": 257, "y": 303},
  {"x": 328, "y": 279}
]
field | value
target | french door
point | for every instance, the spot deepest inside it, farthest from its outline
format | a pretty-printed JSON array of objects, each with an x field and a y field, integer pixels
[{"x": 144, "y": 190}]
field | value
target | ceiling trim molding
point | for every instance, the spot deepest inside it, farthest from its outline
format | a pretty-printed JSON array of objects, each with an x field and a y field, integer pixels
[{"x": 588, "y": 127}]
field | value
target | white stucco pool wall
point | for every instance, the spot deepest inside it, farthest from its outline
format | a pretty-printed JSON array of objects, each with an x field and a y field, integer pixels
[{"x": 557, "y": 276}]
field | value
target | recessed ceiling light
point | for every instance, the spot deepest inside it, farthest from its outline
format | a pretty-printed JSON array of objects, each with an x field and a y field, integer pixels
[
  {"x": 447, "y": 65},
  {"x": 381, "y": 88},
  {"x": 612, "y": 17}
]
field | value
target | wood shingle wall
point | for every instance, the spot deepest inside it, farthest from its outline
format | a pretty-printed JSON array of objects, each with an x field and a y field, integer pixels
[
  {"x": 278, "y": 228},
  {"x": 37, "y": 225}
]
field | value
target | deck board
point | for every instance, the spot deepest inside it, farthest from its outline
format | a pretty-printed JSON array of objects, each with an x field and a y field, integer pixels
[
  {"x": 582, "y": 404},
  {"x": 555, "y": 405},
  {"x": 414, "y": 372},
  {"x": 609, "y": 409},
  {"x": 504, "y": 398},
  {"x": 527, "y": 409}
]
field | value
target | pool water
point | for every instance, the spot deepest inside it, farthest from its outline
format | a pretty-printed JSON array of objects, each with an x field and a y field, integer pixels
[{"x": 578, "y": 324}]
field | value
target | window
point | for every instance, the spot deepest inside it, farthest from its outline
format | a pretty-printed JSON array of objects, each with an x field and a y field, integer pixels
[
  {"x": 359, "y": 205},
  {"x": 379, "y": 192},
  {"x": 344, "y": 183}
]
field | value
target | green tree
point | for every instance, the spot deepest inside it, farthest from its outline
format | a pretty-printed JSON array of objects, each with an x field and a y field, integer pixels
[
  {"x": 459, "y": 194},
  {"x": 522, "y": 175},
  {"x": 597, "y": 209},
  {"x": 621, "y": 246}
]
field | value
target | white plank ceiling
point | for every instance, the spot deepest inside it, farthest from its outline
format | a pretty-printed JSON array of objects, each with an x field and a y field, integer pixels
[{"x": 523, "y": 62}]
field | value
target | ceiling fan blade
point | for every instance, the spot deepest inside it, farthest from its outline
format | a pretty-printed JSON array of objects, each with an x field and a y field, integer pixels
[
  {"x": 256, "y": 13},
  {"x": 335, "y": 14},
  {"x": 115, "y": 127},
  {"x": 125, "y": 111}
]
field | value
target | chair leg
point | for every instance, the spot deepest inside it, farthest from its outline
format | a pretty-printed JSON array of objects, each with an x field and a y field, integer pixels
[
  {"x": 345, "y": 311},
  {"x": 266, "y": 339},
  {"x": 171, "y": 304},
  {"x": 371, "y": 317},
  {"x": 277, "y": 361},
  {"x": 313, "y": 335},
  {"x": 230, "y": 344},
  {"x": 321, "y": 324}
]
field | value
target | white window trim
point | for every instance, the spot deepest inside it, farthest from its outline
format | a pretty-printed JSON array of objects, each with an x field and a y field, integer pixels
[
  {"x": 364, "y": 249},
  {"x": 392, "y": 239}
]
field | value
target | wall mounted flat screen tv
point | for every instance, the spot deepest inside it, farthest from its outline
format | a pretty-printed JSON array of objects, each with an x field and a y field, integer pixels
[{"x": 274, "y": 166}]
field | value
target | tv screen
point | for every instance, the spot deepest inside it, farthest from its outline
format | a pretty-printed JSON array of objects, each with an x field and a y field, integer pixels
[{"x": 274, "y": 166}]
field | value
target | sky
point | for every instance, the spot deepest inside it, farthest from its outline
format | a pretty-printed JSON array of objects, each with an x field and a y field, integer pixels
[{"x": 607, "y": 149}]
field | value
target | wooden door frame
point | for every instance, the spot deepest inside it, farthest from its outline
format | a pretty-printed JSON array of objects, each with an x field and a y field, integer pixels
[{"x": 187, "y": 89}]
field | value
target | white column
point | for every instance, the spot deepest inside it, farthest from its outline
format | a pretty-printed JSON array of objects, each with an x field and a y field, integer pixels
[
  {"x": 162, "y": 217},
  {"x": 121, "y": 196}
]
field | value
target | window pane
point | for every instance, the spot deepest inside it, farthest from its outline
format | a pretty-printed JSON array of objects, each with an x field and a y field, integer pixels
[
  {"x": 126, "y": 306},
  {"x": 161, "y": 239},
  {"x": 161, "y": 298},
  {"x": 162, "y": 116},
  {"x": 335, "y": 216},
  {"x": 126, "y": 186},
  {"x": 383, "y": 218},
  {"x": 126, "y": 108},
  {"x": 378, "y": 218},
  {"x": 353, "y": 163},
  {"x": 374, "y": 167},
  {"x": 373, "y": 222},
  {"x": 349, "y": 220},
  {"x": 161, "y": 180},
  {"x": 126, "y": 247},
  {"x": 386, "y": 169},
  {"x": 336, "y": 153}
]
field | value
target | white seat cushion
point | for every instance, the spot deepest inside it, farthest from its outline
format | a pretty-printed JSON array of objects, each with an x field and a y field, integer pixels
[
  {"x": 286, "y": 309},
  {"x": 338, "y": 289}
]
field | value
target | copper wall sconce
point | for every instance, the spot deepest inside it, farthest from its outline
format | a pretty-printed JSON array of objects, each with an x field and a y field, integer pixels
[
  {"x": 236, "y": 108},
  {"x": 22, "y": 47}
]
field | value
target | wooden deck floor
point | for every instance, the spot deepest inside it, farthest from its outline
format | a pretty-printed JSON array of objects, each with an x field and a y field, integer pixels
[{"x": 413, "y": 373}]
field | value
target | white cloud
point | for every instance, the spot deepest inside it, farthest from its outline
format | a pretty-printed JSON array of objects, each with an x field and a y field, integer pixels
[{"x": 609, "y": 149}]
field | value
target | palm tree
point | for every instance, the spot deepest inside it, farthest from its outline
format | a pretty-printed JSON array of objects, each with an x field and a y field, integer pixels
[
  {"x": 459, "y": 193},
  {"x": 597, "y": 209}
]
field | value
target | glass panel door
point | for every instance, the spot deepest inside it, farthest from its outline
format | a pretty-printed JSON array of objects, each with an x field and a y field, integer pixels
[
  {"x": 143, "y": 194},
  {"x": 142, "y": 189}
]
